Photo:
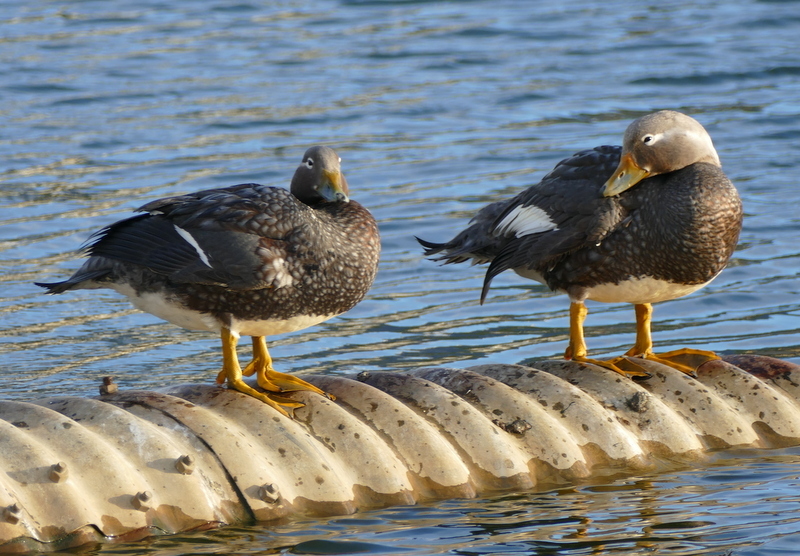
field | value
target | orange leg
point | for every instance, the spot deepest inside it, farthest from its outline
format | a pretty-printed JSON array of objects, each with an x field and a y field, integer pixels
[
  {"x": 232, "y": 372},
  {"x": 685, "y": 359},
  {"x": 268, "y": 378},
  {"x": 577, "y": 345}
]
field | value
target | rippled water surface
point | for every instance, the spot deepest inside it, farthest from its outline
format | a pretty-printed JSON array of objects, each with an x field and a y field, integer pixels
[{"x": 436, "y": 109}]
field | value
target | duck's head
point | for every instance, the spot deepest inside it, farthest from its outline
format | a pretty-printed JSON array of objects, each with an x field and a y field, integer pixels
[
  {"x": 659, "y": 143},
  {"x": 319, "y": 178}
]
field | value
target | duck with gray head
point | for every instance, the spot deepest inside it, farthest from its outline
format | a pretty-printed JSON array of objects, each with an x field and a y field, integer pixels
[
  {"x": 653, "y": 220},
  {"x": 247, "y": 259}
]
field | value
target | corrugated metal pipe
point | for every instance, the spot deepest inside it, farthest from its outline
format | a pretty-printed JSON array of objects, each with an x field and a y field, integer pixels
[{"x": 130, "y": 464}]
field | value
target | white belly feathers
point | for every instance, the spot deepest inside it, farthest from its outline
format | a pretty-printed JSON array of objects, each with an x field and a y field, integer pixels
[
  {"x": 633, "y": 290},
  {"x": 641, "y": 290},
  {"x": 164, "y": 308}
]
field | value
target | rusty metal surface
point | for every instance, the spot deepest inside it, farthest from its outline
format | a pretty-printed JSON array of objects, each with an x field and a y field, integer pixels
[{"x": 132, "y": 463}]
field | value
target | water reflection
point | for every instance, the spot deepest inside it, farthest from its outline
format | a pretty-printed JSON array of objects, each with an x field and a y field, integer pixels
[{"x": 738, "y": 505}]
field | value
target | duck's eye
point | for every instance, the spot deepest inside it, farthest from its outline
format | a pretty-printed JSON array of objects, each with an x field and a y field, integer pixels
[
  {"x": 310, "y": 163},
  {"x": 648, "y": 139}
]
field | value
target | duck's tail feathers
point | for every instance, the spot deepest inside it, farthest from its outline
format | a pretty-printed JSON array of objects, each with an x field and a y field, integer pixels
[
  {"x": 74, "y": 282},
  {"x": 454, "y": 251},
  {"x": 430, "y": 247}
]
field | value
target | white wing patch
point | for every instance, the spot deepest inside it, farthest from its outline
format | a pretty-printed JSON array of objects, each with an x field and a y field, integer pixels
[
  {"x": 193, "y": 242},
  {"x": 523, "y": 221}
]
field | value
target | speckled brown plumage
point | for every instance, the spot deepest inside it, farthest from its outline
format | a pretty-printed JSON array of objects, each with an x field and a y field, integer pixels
[
  {"x": 271, "y": 255},
  {"x": 649, "y": 221},
  {"x": 657, "y": 229},
  {"x": 247, "y": 259}
]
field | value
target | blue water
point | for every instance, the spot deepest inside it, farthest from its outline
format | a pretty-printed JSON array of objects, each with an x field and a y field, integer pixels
[{"x": 436, "y": 109}]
